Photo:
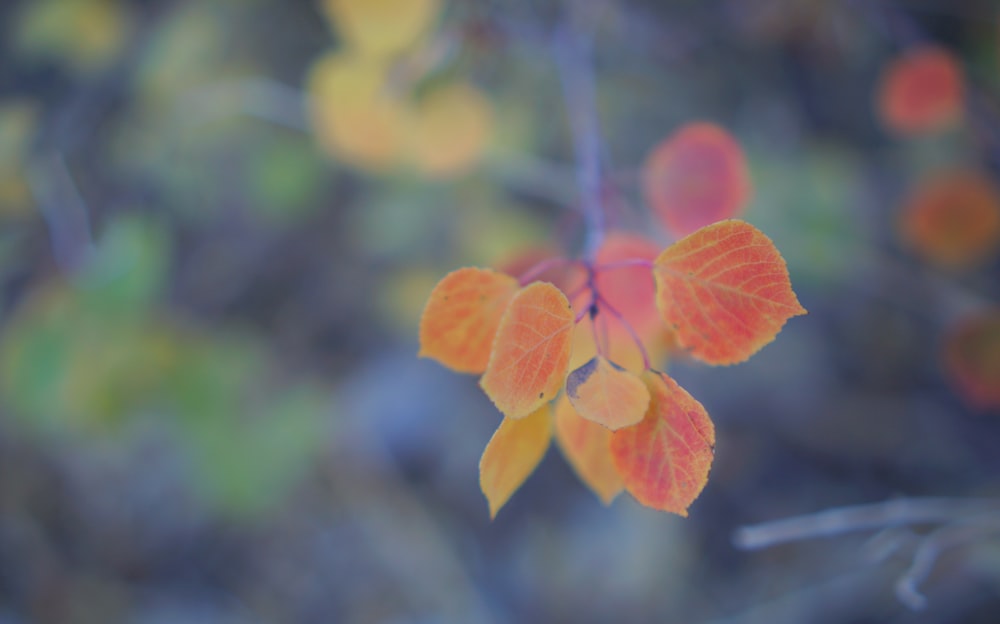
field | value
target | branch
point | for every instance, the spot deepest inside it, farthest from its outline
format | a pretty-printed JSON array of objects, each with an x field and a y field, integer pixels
[
  {"x": 840, "y": 520},
  {"x": 572, "y": 51}
]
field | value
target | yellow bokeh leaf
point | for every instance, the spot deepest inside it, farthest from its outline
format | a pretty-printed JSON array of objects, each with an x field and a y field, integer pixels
[
  {"x": 606, "y": 394},
  {"x": 357, "y": 118},
  {"x": 512, "y": 454},
  {"x": 531, "y": 351},
  {"x": 462, "y": 315},
  {"x": 451, "y": 127},
  {"x": 587, "y": 448},
  {"x": 381, "y": 27}
]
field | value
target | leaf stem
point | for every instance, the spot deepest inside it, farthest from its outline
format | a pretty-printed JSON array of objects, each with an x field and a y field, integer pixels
[
  {"x": 624, "y": 264},
  {"x": 610, "y": 309},
  {"x": 541, "y": 267}
]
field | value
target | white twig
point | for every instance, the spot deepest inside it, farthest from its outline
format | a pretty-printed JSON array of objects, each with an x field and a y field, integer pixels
[{"x": 840, "y": 520}]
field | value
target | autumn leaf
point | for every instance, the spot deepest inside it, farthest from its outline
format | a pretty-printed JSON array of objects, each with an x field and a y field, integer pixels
[
  {"x": 606, "y": 394},
  {"x": 725, "y": 291},
  {"x": 450, "y": 129},
  {"x": 953, "y": 219},
  {"x": 516, "y": 448},
  {"x": 695, "y": 177},
  {"x": 665, "y": 459},
  {"x": 972, "y": 359},
  {"x": 356, "y": 118},
  {"x": 531, "y": 351},
  {"x": 461, "y": 317},
  {"x": 381, "y": 27},
  {"x": 630, "y": 290},
  {"x": 587, "y": 448},
  {"x": 921, "y": 91}
]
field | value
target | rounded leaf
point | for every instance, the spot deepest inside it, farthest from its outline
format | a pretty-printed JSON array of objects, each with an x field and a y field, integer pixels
[
  {"x": 725, "y": 291},
  {"x": 531, "y": 351},
  {"x": 450, "y": 129},
  {"x": 461, "y": 317},
  {"x": 921, "y": 91},
  {"x": 356, "y": 118},
  {"x": 513, "y": 453},
  {"x": 587, "y": 448},
  {"x": 953, "y": 219},
  {"x": 972, "y": 359},
  {"x": 665, "y": 459},
  {"x": 381, "y": 27},
  {"x": 695, "y": 177},
  {"x": 606, "y": 394}
]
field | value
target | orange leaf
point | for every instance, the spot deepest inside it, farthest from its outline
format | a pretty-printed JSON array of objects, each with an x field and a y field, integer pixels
[
  {"x": 695, "y": 177},
  {"x": 921, "y": 91},
  {"x": 531, "y": 351},
  {"x": 953, "y": 219},
  {"x": 462, "y": 316},
  {"x": 972, "y": 358},
  {"x": 605, "y": 393},
  {"x": 587, "y": 448},
  {"x": 725, "y": 291},
  {"x": 516, "y": 448},
  {"x": 665, "y": 459}
]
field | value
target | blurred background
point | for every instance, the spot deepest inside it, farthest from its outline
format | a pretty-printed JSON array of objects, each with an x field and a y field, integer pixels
[{"x": 219, "y": 221}]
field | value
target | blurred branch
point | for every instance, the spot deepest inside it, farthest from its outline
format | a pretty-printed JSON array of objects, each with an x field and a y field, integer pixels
[
  {"x": 572, "y": 51},
  {"x": 66, "y": 215},
  {"x": 962, "y": 520}
]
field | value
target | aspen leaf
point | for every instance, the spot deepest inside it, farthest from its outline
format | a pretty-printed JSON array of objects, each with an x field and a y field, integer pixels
[
  {"x": 355, "y": 116},
  {"x": 381, "y": 27},
  {"x": 953, "y": 219},
  {"x": 450, "y": 129},
  {"x": 725, "y": 291},
  {"x": 630, "y": 290},
  {"x": 462, "y": 315},
  {"x": 972, "y": 359},
  {"x": 604, "y": 393},
  {"x": 664, "y": 460},
  {"x": 921, "y": 91},
  {"x": 587, "y": 448},
  {"x": 531, "y": 351},
  {"x": 516, "y": 448},
  {"x": 695, "y": 177}
]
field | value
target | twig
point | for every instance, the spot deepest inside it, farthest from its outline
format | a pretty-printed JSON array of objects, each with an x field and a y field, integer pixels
[
  {"x": 572, "y": 51},
  {"x": 841, "y": 520}
]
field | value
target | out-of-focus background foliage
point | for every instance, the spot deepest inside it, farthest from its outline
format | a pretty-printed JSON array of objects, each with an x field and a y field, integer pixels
[{"x": 219, "y": 221}]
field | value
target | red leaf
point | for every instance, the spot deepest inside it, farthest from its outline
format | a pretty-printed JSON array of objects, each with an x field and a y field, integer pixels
[
  {"x": 921, "y": 91},
  {"x": 953, "y": 219},
  {"x": 664, "y": 460},
  {"x": 725, "y": 291},
  {"x": 462, "y": 316},
  {"x": 972, "y": 358},
  {"x": 696, "y": 177},
  {"x": 531, "y": 351}
]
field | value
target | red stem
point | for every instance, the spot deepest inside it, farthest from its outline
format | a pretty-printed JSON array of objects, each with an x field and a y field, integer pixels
[
  {"x": 624, "y": 264},
  {"x": 603, "y": 303}
]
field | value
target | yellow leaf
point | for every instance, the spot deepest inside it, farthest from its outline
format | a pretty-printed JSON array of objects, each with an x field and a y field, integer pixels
[
  {"x": 587, "y": 448},
  {"x": 381, "y": 27},
  {"x": 605, "y": 393},
  {"x": 512, "y": 454}
]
